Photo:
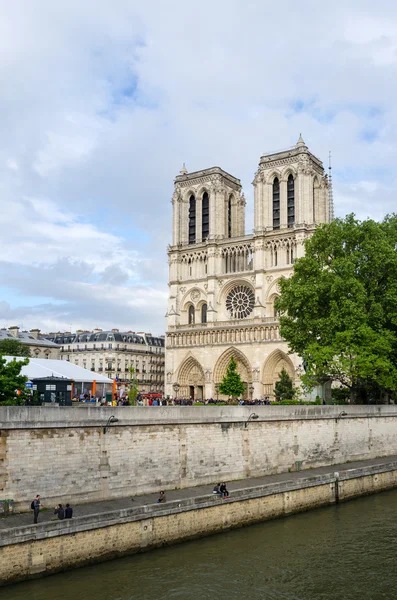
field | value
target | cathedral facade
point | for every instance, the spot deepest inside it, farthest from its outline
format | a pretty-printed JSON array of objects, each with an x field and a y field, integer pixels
[{"x": 223, "y": 283}]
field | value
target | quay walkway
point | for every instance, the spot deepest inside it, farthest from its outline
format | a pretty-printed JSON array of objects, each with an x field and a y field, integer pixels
[{"x": 96, "y": 508}]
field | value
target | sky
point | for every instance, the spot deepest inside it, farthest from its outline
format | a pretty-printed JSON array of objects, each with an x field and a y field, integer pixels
[{"x": 101, "y": 102}]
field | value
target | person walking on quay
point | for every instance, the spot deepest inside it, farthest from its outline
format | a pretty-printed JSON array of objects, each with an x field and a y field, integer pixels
[
  {"x": 59, "y": 510},
  {"x": 36, "y": 504},
  {"x": 68, "y": 512}
]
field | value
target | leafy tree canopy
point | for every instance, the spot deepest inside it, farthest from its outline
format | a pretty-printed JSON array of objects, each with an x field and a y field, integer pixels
[
  {"x": 284, "y": 388},
  {"x": 11, "y": 380},
  {"x": 231, "y": 384},
  {"x": 13, "y": 347},
  {"x": 339, "y": 309}
]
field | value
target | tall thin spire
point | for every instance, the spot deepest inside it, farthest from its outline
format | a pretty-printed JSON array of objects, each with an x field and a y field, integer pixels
[
  {"x": 300, "y": 143},
  {"x": 330, "y": 191}
]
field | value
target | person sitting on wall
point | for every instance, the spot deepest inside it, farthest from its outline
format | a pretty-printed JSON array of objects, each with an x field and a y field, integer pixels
[
  {"x": 223, "y": 490},
  {"x": 161, "y": 497},
  {"x": 60, "y": 512},
  {"x": 68, "y": 512},
  {"x": 217, "y": 490}
]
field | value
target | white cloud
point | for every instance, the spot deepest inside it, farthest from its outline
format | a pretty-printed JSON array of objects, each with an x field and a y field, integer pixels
[{"x": 102, "y": 102}]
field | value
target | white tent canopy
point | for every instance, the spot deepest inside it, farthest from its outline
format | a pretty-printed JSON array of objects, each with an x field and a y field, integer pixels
[{"x": 42, "y": 367}]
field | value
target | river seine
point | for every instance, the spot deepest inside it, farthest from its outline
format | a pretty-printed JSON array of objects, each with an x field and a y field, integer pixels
[{"x": 342, "y": 552}]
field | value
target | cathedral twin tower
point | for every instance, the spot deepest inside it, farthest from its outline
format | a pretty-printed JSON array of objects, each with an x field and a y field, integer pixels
[{"x": 223, "y": 283}]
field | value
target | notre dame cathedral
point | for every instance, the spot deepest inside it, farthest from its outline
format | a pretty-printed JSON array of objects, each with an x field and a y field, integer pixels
[{"x": 223, "y": 283}]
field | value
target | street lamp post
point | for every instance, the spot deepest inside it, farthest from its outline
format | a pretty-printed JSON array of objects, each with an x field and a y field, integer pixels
[
  {"x": 252, "y": 417},
  {"x": 111, "y": 419}
]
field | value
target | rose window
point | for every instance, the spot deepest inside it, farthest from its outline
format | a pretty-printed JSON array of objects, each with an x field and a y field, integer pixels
[{"x": 240, "y": 302}]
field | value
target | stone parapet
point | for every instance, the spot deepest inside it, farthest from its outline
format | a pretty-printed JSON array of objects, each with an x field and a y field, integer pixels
[{"x": 23, "y": 417}]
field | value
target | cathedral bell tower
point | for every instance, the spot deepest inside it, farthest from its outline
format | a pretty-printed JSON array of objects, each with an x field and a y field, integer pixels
[
  {"x": 223, "y": 284},
  {"x": 206, "y": 206},
  {"x": 290, "y": 190}
]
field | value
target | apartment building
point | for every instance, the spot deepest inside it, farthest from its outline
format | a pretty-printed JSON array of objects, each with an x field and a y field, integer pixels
[
  {"x": 114, "y": 352},
  {"x": 39, "y": 347}
]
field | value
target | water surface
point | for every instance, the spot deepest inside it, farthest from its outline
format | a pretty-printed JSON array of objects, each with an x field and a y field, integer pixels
[{"x": 342, "y": 552}]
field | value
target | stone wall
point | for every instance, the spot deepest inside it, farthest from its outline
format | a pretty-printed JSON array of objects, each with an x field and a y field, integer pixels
[
  {"x": 35, "y": 550},
  {"x": 63, "y": 454}
]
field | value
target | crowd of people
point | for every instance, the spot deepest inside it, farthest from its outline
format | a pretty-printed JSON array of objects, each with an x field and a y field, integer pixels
[
  {"x": 157, "y": 400},
  {"x": 204, "y": 402}
]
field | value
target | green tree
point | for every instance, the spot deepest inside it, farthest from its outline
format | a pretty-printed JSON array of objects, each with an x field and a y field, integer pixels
[
  {"x": 134, "y": 389},
  {"x": 339, "y": 309},
  {"x": 231, "y": 384},
  {"x": 284, "y": 388},
  {"x": 11, "y": 380},
  {"x": 13, "y": 347}
]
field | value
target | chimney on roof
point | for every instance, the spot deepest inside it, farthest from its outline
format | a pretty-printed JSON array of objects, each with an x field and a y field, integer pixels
[
  {"x": 14, "y": 330},
  {"x": 35, "y": 333}
]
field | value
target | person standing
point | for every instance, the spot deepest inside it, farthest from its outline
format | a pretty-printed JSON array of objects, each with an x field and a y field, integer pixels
[
  {"x": 36, "y": 508},
  {"x": 68, "y": 512}
]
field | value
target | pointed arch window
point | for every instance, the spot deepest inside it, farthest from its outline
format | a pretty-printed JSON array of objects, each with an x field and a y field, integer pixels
[
  {"x": 191, "y": 315},
  {"x": 204, "y": 313},
  {"x": 291, "y": 201},
  {"x": 276, "y": 204},
  {"x": 274, "y": 257},
  {"x": 205, "y": 217},
  {"x": 316, "y": 190},
  {"x": 229, "y": 218},
  {"x": 276, "y": 313},
  {"x": 192, "y": 220}
]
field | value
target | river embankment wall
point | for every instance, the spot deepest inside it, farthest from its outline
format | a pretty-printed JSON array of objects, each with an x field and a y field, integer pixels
[
  {"x": 65, "y": 455},
  {"x": 37, "y": 550}
]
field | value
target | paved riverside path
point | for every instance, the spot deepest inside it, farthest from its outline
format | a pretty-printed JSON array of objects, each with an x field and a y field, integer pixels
[{"x": 90, "y": 508}]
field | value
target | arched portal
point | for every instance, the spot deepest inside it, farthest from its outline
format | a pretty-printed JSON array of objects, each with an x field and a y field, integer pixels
[
  {"x": 272, "y": 369},
  {"x": 191, "y": 379},
  {"x": 243, "y": 367}
]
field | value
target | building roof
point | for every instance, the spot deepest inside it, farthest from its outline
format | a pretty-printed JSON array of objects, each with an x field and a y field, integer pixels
[
  {"x": 41, "y": 367},
  {"x": 127, "y": 337},
  {"x": 186, "y": 176},
  {"x": 27, "y": 338}
]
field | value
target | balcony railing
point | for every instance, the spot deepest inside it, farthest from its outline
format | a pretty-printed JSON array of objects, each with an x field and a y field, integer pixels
[{"x": 232, "y": 323}]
